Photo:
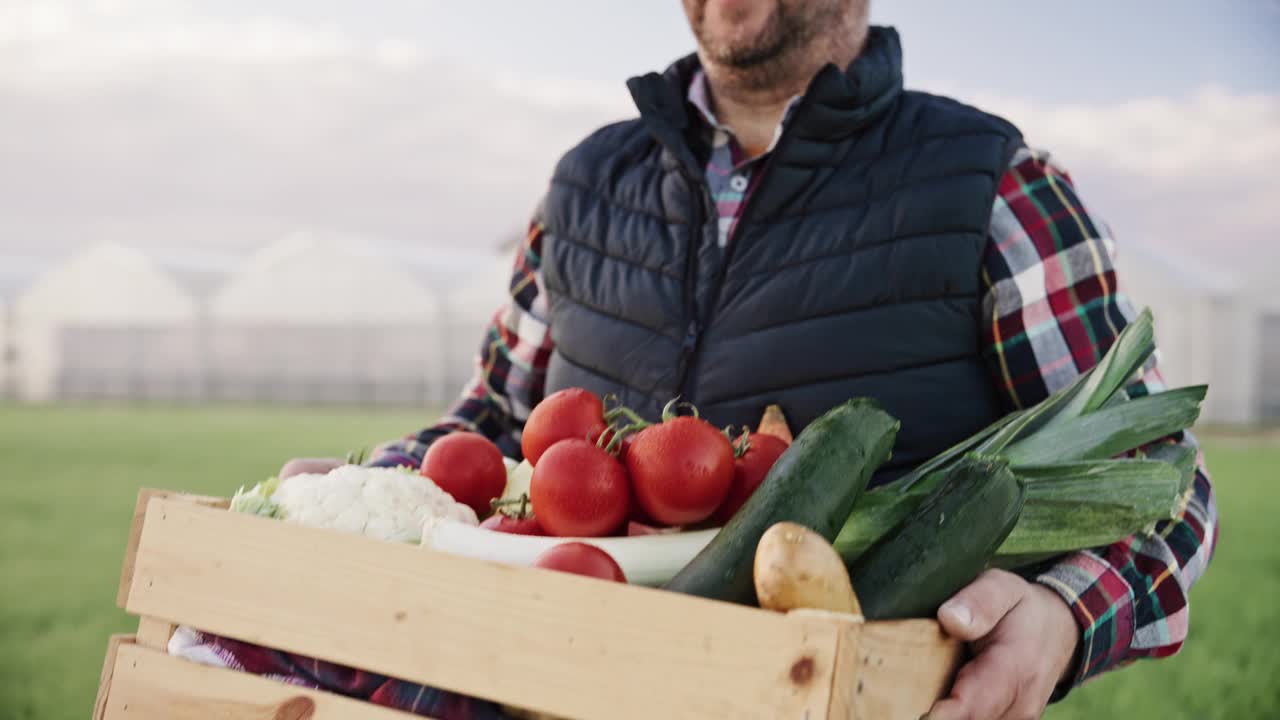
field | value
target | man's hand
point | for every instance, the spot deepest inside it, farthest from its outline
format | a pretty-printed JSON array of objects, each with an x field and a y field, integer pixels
[
  {"x": 299, "y": 466},
  {"x": 1024, "y": 639}
]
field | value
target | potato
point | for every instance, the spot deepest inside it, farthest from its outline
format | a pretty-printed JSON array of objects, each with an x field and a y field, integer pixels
[{"x": 797, "y": 568}]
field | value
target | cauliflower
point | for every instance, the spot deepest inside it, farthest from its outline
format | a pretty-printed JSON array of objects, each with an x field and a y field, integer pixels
[{"x": 383, "y": 503}]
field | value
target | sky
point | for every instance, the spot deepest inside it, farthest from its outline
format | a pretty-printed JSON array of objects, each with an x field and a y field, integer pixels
[{"x": 227, "y": 124}]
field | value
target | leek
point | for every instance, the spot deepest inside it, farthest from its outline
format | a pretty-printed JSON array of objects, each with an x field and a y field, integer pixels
[
  {"x": 1075, "y": 497},
  {"x": 1112, "y": 430},
  {"x": 1068, "y": 506}
]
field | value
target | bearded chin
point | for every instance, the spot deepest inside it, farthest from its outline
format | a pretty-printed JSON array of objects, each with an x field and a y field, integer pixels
[
  {"x": 749, "y": 55},
  {"x": 778, "y": 35}
]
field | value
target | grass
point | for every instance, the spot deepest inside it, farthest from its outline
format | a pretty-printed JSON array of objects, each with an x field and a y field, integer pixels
[
  {"x": 1229, "y": 667},
  {"x": 70, "y": 476}
]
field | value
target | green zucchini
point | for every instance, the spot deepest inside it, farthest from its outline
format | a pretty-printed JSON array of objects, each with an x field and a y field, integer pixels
[
  {"x": 943, "y": 545},
  {"x": 1068, "y": 506},
  {"x": 815, "y": 484}
]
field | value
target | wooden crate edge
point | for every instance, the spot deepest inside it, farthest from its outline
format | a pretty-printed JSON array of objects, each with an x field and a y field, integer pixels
[
  {"x": 149, "y": 684},
  {"x": 154, "y": 633},
  {"x": 135, "y": 531},
  {"x": 845, "y": 668},
  {"x": 905, "y": 665},
  {"x": 108, "y": 670},
  {"x": 193, "y": 529},
  {"x": 871, "y": 675},
  {"x": 887, "y": 669}
]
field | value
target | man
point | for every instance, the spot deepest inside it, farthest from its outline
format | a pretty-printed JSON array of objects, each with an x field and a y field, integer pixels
[{"x": 784, "y": 223}]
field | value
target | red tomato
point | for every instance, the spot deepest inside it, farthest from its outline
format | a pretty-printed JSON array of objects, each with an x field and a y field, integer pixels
[
  {"x": 579, "y": 490},
  {"x": 468, "y": 467},
  {"x": 569, "y": 413},
  {"x": 681, "y": 470},
  {"x": 581, "y": 559},
  {"x": 501, "y": 522},
  {"x": 748, "y": 472},
  {"x": 636, "y": 513}
]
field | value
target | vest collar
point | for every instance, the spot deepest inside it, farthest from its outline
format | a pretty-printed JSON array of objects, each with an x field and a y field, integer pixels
[{"x": 836, "y": 104}]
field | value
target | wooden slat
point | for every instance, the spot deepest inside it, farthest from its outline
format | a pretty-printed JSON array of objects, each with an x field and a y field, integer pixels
[
  {"x": 848, "y": 665},
  {"x": 154, "y": 633},
  {"x": 108, "y": 667},
  {"x": 551, "y": 642},
  {"x": 906, "y": 665},
  {"x": 149, "y": 685},
  {"x": 135, "y": 530}
]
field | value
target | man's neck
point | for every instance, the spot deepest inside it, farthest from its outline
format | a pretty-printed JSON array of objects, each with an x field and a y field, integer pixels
[{"x": 751, "y": 101}]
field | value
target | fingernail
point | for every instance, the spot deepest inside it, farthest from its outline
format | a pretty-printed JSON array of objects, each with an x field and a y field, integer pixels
[{"x": 958, "y": 612}]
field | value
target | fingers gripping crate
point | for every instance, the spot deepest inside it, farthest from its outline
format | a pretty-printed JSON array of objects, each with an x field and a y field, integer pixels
[{"x": 552, "y": 643}]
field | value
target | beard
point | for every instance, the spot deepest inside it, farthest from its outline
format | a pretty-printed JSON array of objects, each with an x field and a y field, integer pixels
[{"x": 789, "y": 26}]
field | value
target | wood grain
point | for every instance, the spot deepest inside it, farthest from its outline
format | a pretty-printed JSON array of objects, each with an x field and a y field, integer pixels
[
  {"x": 905, "y": 666},
  {"x": 551, "y": 642},
  {"x": 149, "y": 685},
  {"x": 108, "y": 668},
  {"x": 848, "y": 667},
  {"x": 154, "y": 633},
  {"x": 135, "y": 531}
]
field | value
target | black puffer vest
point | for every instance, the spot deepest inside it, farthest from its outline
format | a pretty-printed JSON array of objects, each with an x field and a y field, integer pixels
[{"x": 854, "y": 270}]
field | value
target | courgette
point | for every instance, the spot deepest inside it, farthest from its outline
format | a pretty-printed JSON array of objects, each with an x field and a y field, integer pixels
[
  {"x": 1068, "y": 506},
  {"x": 815, "y": 483},
  {"x": 943, "y": 545}
]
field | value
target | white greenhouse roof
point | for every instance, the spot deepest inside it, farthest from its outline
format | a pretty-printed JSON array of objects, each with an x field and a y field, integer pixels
[
  {"x": 19, "y": 270},
  {"x": 439, "y": 266},
  {"x": 106, "y": 282},
  {"x": 310, "y": 278},
  {"x": 200, "y": 271}
]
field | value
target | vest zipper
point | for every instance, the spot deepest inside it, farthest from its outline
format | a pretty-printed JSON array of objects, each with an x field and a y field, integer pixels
[
  {"x": 693, "y": 331},
  {"x": 734, "y": 242}
]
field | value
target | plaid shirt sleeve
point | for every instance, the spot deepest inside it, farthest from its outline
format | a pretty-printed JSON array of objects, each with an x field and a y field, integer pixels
[
  {"x": 1052, "y": 309},
  {"x": 510, "y": 370}
]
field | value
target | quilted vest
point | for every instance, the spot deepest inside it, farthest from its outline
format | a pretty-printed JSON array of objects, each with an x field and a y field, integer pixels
[{"x": 853, "y": 271}]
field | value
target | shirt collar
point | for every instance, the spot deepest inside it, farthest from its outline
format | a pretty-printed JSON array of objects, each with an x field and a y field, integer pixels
[{"x": 699, "y": 96}]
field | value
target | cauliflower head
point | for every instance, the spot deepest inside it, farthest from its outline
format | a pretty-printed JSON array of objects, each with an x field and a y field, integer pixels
[{"x": 383, "y": 503}]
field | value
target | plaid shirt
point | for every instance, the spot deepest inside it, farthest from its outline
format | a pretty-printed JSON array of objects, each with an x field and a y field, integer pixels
[{"x": 1052, "y": 309}]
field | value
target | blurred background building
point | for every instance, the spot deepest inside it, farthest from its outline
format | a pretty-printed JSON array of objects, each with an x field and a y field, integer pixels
[
  {"x": 304, "y": 320},
  {"x": 1210, "y": 329},
  {"x": 315, "y": 319}
]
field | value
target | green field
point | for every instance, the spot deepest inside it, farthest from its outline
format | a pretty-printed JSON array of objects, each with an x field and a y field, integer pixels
[{"x": 70, "y": 477}]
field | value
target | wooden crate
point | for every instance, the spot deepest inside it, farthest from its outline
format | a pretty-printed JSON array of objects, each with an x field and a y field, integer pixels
[{"x": 553, "y": 643}]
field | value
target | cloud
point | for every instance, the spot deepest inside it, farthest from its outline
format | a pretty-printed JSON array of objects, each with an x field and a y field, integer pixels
[
  {"x": 1211, "y": 131},
  {"x": 51, "y": 40},
  {"x": 1191, "y": 175},
  {"x": 153, "y": 123}
]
